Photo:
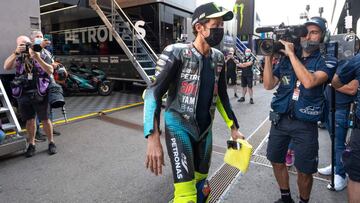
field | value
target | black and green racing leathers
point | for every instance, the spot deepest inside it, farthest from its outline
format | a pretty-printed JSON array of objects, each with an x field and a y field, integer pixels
[{"x": 178, "y": 72}]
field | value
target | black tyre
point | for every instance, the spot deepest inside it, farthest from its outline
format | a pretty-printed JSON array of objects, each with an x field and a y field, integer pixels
[{"x": 105, "y": 88}]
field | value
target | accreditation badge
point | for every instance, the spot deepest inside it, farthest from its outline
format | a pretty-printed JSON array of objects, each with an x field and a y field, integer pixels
[
  {"x": 29, "y": 76},
  {"x": 296, "y": 93}
]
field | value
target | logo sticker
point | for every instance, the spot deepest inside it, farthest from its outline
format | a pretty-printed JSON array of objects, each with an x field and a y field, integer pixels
[
  {"x": 184, "y": 162},
  {"x": 311, "y": 110}
]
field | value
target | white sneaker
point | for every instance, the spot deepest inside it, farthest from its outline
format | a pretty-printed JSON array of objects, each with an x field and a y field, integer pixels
[
  {"x": 326, "y": 171},
  {"x": 340, "y": 183}
]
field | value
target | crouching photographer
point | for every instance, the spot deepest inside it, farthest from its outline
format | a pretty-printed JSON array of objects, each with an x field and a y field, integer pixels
[
  {"x": 29, "y": 87},
  {"x": 297, "y": 105}
]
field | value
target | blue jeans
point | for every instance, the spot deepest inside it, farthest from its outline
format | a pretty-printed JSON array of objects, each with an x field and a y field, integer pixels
[{"x": 341, "y": 127}]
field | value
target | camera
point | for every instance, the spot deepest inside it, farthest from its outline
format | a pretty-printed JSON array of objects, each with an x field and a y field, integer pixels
[
  {"x": 20, "y": 81},
  {"x": 35, "y": 47},
  {"x": 348, "y": 45},
  {"x": 282, "y": 32},
  {"x": 330, "y": 49}
]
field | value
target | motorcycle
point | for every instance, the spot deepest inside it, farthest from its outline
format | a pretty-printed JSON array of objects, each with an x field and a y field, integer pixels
[{"x": 84, "y": 79}]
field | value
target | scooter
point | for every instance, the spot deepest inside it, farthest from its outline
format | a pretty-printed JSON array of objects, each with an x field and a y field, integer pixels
[{"x": 83, "y": 79}]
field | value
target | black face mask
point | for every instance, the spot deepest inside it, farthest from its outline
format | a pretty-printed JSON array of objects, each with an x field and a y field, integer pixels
[{"x": 215, "y": 37}]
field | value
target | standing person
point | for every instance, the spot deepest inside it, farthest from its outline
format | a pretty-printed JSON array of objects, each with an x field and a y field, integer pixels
[
  {"x": 247, "y": 76},
  {"x": 195, "y": 78},
  {"x": 36, "y": 34},
  {"x": 231, "y": 64},
  {"x": 351, "y": 156},
  {"x": 344, "y": 97},
  {"x": 30, "y": 88},
  {"x": 297, "y": 106}
]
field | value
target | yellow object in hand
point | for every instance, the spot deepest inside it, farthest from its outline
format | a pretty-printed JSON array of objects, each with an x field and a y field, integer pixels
[{"x": 238, "y": 154}]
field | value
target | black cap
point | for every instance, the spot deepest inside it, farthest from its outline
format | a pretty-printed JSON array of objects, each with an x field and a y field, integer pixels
[{"x": 210, "y": 10}]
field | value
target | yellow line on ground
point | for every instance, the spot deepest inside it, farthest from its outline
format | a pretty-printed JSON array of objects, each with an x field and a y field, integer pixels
[
  {"x": 122, "y": 107},
  {"x": 97, "y": 113},
  {"x": 89, "y": 115}
]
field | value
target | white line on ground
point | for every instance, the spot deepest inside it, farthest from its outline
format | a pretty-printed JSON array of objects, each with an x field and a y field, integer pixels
[
  {"x": 261, "y": 144},
  {"x": 259, "y": 126},
  {"x": 218, "y": 152}
]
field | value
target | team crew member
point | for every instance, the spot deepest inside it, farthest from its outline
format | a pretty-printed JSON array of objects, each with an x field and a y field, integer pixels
[
  {"x": 195, "y": 78},
  {"x": 297, "y": 106},
  {"x": 247, "y": 76},
  {"x": 343, "y": 99},
  {"x": 351, "y": 156}
]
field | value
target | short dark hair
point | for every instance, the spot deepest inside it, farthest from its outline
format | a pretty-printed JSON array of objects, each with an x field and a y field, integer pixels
[{"x": 202, "y": 22}]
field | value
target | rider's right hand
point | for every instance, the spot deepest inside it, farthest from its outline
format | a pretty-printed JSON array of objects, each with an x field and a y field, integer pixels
[{"x": 154, "y": 154}]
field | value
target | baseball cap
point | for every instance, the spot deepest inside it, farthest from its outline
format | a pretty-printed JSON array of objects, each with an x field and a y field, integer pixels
[
  {"x": 210, "y": 10},
  {"x": 318, "y": 21}
]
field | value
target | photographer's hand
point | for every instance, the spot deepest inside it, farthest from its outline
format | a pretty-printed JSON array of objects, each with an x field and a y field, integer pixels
[
  {"x": 45, "y": 43},
  {"x": 45, "y": 66},
  {"x": 34, "y": 55},
  {"x": 20, "y": 48},
  {"x": 289, "y": 48},
  {"x": 10, "y": 61}
]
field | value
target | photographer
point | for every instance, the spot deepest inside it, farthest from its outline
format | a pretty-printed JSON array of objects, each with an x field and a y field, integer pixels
[
  {"x": 45, "y": 44},
  {"x": 351, "y": 156},
  {"x": 297, "y": 106},
  {"x": 231, "y": 64},
  {"x": 30, "y": 87}
]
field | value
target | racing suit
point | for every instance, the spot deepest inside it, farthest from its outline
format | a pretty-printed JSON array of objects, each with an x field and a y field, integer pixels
[{"x": 189, "y": 147}]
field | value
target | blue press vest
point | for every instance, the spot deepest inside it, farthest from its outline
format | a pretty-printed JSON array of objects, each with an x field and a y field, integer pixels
[{"x": 309, "y": 106}]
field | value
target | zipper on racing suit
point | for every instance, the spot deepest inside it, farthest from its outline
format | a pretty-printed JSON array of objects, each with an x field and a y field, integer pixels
[{"x": 201, "y": 64}]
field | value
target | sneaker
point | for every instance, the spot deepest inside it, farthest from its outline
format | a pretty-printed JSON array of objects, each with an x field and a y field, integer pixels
[
  {"x": 289, "y": 159},
  {"x": 235, "y": 95},
  {"x": 39, "y": 137},
  {"x": 30, "y": 151},
  {"x": 326, "y": 171},
  {"x": 321, "y": 125},
  {"x": 339, "y": 183},
  {"x": 57, "y": 133},
  {"x": 242, "y": 99},
  {"x": 52, "y": 148},
  {"x": 251, "y": 101}
]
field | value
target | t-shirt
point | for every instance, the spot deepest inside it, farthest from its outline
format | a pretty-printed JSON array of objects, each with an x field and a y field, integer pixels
[
  {"x": 350, "y": 70},
  {"x": 231, "y": 67},
  {"x": 247, "y": 72}
]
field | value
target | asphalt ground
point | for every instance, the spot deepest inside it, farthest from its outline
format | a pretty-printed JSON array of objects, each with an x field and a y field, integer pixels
[{"x": 101, "y": 159}]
